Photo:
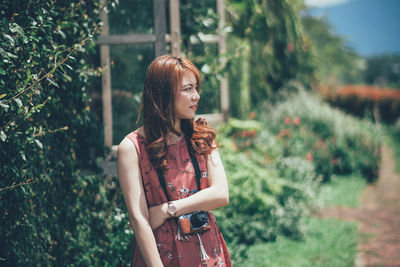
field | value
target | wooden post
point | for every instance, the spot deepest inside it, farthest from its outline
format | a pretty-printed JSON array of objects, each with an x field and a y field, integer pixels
[
  {"x": 175, "y": 27},
  {"x": 159, "y": 26},
  {"x": 224, "y": 91},
  {"x": 106, "y": 82}
]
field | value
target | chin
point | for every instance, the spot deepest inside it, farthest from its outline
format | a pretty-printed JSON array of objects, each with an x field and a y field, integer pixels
[{"x": 187, "y": 116}]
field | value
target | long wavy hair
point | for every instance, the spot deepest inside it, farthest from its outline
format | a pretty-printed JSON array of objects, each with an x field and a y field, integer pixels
[{"x": 163, "y": 80}]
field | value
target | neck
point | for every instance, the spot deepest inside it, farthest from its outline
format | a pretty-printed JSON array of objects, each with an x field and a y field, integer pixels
[{"x": 177, "y": 125}]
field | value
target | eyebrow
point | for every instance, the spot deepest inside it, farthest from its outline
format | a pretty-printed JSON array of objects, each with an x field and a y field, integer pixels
[{"x": 187, "y": 84}]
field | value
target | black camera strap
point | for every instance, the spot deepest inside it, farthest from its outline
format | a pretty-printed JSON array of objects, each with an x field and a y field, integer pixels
[{"x": 192, "y": 155}]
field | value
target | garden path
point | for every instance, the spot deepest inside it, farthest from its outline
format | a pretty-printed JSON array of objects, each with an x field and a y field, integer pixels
[{"x": 378, "y": 216}]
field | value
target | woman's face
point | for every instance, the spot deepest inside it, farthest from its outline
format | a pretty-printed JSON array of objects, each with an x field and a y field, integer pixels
[{"x": 186, "y": 97}]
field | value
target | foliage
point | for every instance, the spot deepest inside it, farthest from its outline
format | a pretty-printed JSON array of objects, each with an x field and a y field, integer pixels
[
  {"x": 394, "y": 142},
  {"x": 279, "y": 53},
  {"x": 383, "y": 70},
  {"x": 128, "y": 63},
  {"x": 336, "y": 143},
  {"x": 376, "y": 103},
  {"x": 268, "y": 199},
  {"x": 336, "y": 62},
  {"x": 341, "y": 191},
  {"x": 327, "y": 242},
  {"x": 239, "y": 77},
  {"x": 48, "y": 211},
  {"x": 275, "y": 163}
]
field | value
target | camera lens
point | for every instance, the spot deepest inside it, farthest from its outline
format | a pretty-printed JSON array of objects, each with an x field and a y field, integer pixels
[{"x": 198, "y": 219}]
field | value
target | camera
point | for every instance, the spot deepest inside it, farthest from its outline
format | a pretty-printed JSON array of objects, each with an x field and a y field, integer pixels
[{"x": 194, "y": 222}]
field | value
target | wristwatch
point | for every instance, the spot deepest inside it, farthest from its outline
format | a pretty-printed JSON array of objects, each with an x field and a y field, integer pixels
[{"x": 171, "y": 209}]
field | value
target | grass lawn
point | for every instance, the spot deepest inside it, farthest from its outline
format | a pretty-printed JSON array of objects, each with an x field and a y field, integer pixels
[
  {"x": 393, "y": 141},
  {"x": 327, "y": 242},
  {"x": 342, "y": 191}
]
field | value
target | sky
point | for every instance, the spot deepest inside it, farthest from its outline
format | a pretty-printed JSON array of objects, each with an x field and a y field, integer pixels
[{"x": 371, "y": 27}]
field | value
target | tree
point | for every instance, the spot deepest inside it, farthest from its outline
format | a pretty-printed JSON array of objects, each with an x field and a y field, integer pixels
[
  {"x": 279, "y": 53},
  {"x": 337, "y": 62}
]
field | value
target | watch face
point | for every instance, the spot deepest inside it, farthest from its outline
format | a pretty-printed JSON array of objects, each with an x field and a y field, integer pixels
[{"x": 171, "y": 209}]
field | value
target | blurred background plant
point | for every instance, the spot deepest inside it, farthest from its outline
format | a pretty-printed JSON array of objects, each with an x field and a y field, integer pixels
[{"x": 288, "y": 139}]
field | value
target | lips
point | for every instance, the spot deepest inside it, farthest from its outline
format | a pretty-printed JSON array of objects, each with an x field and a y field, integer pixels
[{"x": 194, "y": 107}]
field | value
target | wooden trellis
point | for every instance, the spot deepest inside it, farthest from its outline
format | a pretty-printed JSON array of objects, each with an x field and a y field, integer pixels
[{"x": 160, "y": 39}]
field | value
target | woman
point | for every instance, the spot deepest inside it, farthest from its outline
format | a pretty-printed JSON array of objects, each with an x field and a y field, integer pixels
[{"x": 171, "y": 167}]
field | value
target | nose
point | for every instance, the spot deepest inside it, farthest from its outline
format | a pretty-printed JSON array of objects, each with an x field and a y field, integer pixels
[{"x": 195, "y": 96}]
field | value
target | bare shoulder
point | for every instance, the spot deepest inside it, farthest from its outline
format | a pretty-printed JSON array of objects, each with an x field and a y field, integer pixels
[
  {"x": 127, "y": 145},
  {"x": 126, "y": 149}
]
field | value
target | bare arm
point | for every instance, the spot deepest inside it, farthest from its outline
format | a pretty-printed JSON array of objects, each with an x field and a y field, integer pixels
[
  {"x": 130, "y": 179},
  {"x": 213, "y": 197}
]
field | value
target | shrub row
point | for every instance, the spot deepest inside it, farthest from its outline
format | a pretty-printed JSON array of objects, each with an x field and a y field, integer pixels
[
  {"x": 335, "y": 142},
  {"x": 268, "y": 197},
  {"x": 50, "y": 215},
  {"x": 372, "y": 101},
  {"x": 276, "y": 163}
]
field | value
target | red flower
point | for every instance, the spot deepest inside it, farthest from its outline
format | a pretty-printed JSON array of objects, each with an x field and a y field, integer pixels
[
  {"x": 290, "y": 47},
  {"x": 310, "y": 156},
  {"x": 245, "y": 134},
  {"x": 287, "y": 121},
  {"x": 296, "y": 121},
  {"x": 252, "y": 115},
  {"x": 284, "y": 132}
]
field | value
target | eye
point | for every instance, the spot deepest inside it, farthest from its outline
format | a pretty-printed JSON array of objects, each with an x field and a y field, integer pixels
[{"x": 187, "y": 88}]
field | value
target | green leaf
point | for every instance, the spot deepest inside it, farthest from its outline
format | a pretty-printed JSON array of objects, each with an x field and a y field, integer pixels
[
  {"x": 15, "y": 28},
  {"x": 52, "y": 82},
  {"x": 28, "y": 77},
  {"x": 2, "y": 72},
  {"x": 3, "y": 136},
  {"x": 23, "y": 156},
  {"x": 18, "y": 101},
  {"x": 40, "y": 145},
  {"x": 62, "y": 34},
  {"x": 12, "y": 42},
  {"x": 2, "y": 95},
  {"x": 12, "y": 55},
  {"x": 3, "y": 52},
  {"x": 4, "y": 106}
]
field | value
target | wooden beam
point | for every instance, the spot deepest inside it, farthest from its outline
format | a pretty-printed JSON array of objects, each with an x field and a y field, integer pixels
[
  {"x": 106, "y": 83},
  {"x": 224, "y": 91},
  {"x": 175, "y": 27},
  {"x": 159, "y": 26},
  {"x": 205, "y": 38},
  {"x": 125, "y": 39}
]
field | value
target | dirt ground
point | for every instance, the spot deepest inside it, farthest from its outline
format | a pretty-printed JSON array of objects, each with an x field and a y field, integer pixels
[{"x": 378, "y": 216}]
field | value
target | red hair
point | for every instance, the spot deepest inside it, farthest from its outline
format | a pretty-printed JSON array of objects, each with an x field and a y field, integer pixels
[{"x": 163, "y": 79}]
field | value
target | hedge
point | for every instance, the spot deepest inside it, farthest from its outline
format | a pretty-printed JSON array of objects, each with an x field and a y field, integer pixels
[
  {"x": 378, "y": 103},
  {"x": 46, "y": 130}
]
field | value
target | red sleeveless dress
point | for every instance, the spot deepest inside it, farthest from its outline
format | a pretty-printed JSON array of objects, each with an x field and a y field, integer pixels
[{"x": 207, "y": 248}]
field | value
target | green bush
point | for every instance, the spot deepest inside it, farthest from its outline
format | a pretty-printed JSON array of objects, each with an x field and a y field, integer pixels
[
  {"x": 335, "y": 142},
  {"x": 50, "y": 214},
  {"x": 394, "y": 142},
  {"x": 268, "y": 194}
]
